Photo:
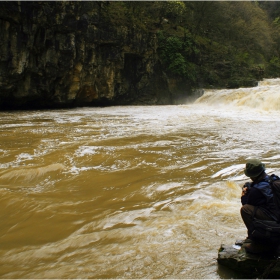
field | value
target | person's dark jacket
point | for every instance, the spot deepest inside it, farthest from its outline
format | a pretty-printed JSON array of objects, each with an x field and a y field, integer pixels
[{"x": 260, "y": 194}]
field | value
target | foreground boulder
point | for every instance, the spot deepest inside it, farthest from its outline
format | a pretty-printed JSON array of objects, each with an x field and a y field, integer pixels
[{"x": 262, "y": 266}]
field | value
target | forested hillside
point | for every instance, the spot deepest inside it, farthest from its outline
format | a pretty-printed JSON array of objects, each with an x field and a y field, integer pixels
[
  {"x": 92, "y": 53},
  {"x": 218, "y": 43}
]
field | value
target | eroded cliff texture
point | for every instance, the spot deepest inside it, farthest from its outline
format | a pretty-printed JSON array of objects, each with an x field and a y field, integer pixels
[{"x": 61, "y": 54}]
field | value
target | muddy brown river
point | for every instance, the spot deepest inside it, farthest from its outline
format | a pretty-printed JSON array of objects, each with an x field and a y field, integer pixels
[{"x": 131, "y": 192}]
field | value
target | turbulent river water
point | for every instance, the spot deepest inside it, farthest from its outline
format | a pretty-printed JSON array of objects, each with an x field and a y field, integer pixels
[{"x": 131, "y": 192}]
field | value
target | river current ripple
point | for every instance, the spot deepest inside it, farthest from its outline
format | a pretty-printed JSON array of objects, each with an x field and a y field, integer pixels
[{"x": 131, "y": 192}]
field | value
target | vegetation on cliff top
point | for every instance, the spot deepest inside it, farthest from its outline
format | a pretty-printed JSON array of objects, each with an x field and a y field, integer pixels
[
  {"x": 92, "y": 53},
  {"x": 209, "y": 43}
]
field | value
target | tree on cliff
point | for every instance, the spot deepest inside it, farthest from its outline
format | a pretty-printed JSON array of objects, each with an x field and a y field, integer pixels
[{"x": 222, "y": 42}]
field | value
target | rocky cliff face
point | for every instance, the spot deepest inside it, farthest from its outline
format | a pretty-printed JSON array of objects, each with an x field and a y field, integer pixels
[{"x": 61, "y": 54}]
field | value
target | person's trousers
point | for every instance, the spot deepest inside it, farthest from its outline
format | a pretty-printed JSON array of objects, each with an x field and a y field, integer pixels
[{"x": 247, "y": 212}]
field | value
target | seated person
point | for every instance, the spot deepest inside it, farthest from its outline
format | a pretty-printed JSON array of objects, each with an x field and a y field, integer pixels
[{"x": 257, "y": 201}]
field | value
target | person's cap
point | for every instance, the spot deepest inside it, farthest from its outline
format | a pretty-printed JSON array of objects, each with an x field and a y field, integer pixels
[{"x": 254, "y": 168}]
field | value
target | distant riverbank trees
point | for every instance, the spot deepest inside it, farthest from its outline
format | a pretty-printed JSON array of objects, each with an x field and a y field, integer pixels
[{"x": 209, "y": 43}]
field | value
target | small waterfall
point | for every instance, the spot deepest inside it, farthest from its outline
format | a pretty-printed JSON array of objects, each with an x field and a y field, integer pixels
[{"x": 266, "y": 96}]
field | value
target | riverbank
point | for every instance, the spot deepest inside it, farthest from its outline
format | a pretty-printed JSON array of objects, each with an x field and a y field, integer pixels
[{"x": 74, "y": 54}]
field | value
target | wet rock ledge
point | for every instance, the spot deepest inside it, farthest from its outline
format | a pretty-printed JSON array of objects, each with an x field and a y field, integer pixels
[{"x": 265, "y": 266}]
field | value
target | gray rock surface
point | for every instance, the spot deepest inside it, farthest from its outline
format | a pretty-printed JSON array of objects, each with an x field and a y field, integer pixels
[{"x": 262, "y": 266}]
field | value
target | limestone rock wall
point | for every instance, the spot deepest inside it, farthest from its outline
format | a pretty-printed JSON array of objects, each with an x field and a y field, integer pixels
[{"x": 61, "y": 54}]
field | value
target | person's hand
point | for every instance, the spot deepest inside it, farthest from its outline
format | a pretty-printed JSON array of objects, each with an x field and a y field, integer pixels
[{"x": 244, "y": 190}]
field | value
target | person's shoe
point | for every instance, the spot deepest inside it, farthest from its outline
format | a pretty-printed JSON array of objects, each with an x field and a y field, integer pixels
[
  {"x": 241, "y": 242},
  {"x": 255, "y": 248}
]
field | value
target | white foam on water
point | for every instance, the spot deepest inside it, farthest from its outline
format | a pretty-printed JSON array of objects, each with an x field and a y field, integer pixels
[
  {"x": 264, "y": 97},
  {"x": 86, "y": 150},
  {"x": 67, "y": 119},
  {"x": 168, "y": 186},
  {"x": 77, "y": 170},
  {"x": 269, "y": 82},
  {"x": 229, "y": 171},
  {"x": 24, "y": 156}
]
